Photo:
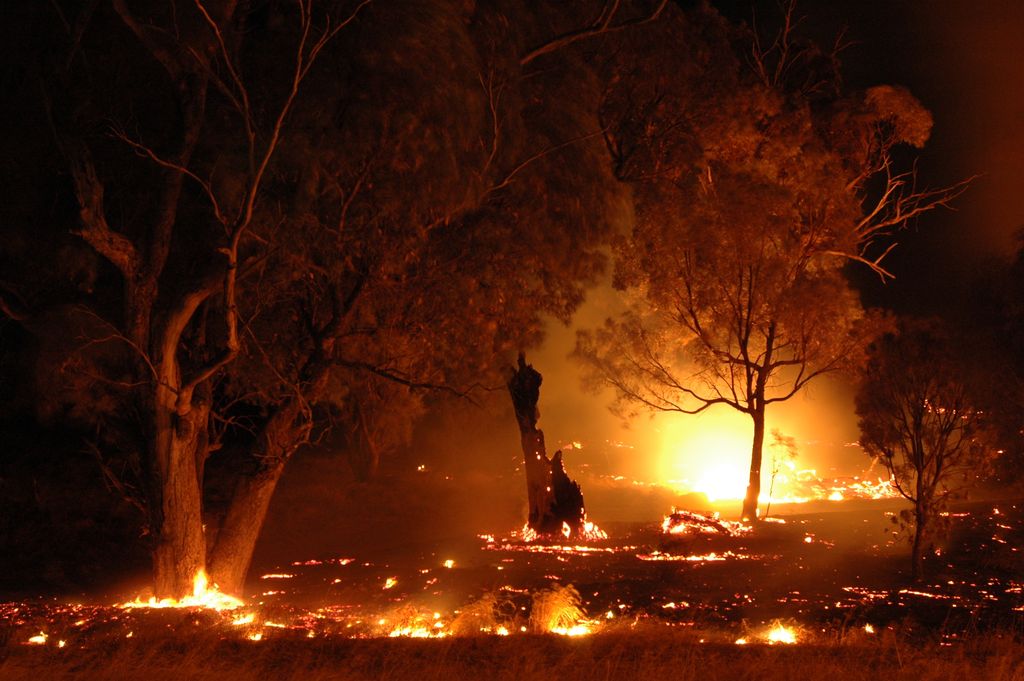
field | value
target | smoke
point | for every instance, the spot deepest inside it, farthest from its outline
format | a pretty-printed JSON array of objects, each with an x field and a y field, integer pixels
[
  {"x": 677, "y": 451},
  {"x": 959, "y": 58}
]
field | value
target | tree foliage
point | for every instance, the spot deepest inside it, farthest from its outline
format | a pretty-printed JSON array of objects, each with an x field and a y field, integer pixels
[
  {"x": 275, "y": 241},
  {"x": 753, "y": 188},
  {"x": 918, "y": 418}
]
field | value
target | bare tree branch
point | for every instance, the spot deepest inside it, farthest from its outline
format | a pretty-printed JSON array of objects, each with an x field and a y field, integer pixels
[
  {"x": 147, "y": 152},
  {"x": 154, "y": 40},
  {"x": 602, "y": 26},
  {"x": 113, "y": 246}
]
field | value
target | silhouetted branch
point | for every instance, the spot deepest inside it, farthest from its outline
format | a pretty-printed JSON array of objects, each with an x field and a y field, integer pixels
[{"x": 602, "y": 26}]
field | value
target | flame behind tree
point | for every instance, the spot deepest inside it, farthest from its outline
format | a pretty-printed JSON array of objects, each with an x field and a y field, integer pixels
[
  {"x": 917, "y": 417},
  {"x": 752, "y": 192}
]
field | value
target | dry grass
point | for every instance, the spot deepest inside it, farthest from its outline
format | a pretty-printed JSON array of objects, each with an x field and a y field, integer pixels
[
  {"x": 644, "y": 654},
  {"x": 557, "y": 606}
]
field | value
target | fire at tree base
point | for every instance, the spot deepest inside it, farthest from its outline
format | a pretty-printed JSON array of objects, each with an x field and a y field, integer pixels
[{"x": 555, "y": 500}]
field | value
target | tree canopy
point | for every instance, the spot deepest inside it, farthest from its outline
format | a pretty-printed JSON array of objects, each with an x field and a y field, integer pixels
[
  {"x": 919, "y": 417},
  {"x": 293, "y": 210},
  {"x": 755, "y": 182}
]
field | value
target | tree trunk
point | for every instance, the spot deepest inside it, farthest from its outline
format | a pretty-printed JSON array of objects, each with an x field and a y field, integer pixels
[
  {"x": 364, "y": 452},
  {"x": 179, "y": 552},
  {"x": 754, "y": 482},
  {"x": 524, "y": 387},
  {"x": 232, "y": 552},
  {"x": 231, "y": 556},
  {"x": 917, "y": 550},
  {"x": 554, "y": 500}
]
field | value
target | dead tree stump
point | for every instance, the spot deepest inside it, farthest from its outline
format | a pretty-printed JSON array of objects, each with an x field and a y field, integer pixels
[{"x": 554, "y": 499}]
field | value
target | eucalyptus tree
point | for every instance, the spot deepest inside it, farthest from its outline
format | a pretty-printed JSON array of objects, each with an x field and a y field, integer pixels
[{"x": 755, "y": 180}]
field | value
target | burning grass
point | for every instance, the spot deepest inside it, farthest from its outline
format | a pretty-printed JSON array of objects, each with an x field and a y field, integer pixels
[
  {"x": 818, "y": 594},
  {"x": 204, "y": 595},
  {"x": 639, "y": 652}
]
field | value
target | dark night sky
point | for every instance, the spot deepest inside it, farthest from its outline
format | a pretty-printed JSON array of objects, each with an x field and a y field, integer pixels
[{"x": 965, "y": 61}]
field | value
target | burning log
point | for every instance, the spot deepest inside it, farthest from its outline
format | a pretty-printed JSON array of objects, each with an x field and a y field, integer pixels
[
  {"x": 555, "y": 500},
  {"x": 688, "y": 522}
]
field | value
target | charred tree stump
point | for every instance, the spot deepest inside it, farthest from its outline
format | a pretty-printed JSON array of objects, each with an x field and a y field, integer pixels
[{"x": 554, "y": 499}]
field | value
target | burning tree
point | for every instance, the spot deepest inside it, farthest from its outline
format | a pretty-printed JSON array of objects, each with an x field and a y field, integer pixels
[
  {"x": 918, "y": 418},
  {"x": 753, "y": 189},
  {"x": 555, "y": 501}
]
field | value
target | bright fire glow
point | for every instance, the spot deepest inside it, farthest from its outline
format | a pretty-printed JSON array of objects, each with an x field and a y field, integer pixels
[
  {"x": 710, "y": 455},
  {"x": 724, "y": 480},
  {"x": 416, "y": 632},
  {"x": 575, "y": 630},
  {"x": 203, "y": 596},
  {"x": 780, "y": 633}
]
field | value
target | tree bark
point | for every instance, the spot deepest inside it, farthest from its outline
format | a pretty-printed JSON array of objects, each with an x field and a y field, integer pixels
[
  {"x": 754, "y": 482},
  {"x": 179, "y": 551},
  {"x": 554, "y": 500},
  {"x": 231, "y": 554},
  {"x": 282, "y": 434},
  {"x": 917, "y": 550},
  {"x": 364, "y": 452},
  {"x": 524, "y": 387}
]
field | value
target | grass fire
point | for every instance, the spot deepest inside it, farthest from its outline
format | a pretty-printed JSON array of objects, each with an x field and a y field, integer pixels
[{"x": 597, "y": 339}]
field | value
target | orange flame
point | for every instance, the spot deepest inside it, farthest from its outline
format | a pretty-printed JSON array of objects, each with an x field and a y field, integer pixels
[{"x": 203, "y": 596}]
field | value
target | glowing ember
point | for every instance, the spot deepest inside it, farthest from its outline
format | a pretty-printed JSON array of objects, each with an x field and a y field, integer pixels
[
  {"x": 695, "y": 558},
  {"x": 587, "y": 531},
  {"x": 610, "y": 572},
  {"x": 687, "y": 522},
  {"x": 575, "y": 630},
  {"x": 592, "y": 532},
  {"x": 416, "y": 632},
  {"x": 558, "y": 548},
  {"x": 203, "y": 596}
]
